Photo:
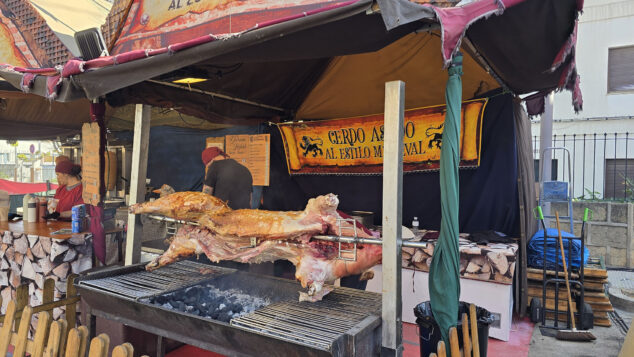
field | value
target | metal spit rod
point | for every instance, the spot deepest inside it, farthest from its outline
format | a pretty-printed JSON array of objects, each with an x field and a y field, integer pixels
[{"x": 328, "y": 238}]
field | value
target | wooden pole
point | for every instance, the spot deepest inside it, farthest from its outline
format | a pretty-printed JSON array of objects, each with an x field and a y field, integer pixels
[
  {"x": 392, "y": 329},
  {"x": 137, "y": 181}
]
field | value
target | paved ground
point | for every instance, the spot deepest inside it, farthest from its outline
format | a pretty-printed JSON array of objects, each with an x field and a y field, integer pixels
[{"x": 609, "y": 339}]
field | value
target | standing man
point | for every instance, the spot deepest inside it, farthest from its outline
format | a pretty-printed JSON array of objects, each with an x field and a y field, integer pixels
[{"x": 227, "y": 179}]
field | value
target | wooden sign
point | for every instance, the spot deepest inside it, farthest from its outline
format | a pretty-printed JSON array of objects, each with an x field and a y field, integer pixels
[
  {"x": 218, "y": 142},
  {"x": 355, "y": 145},
  {"x": 254, "y": 152},
  {"x": 91, "y": 172}
]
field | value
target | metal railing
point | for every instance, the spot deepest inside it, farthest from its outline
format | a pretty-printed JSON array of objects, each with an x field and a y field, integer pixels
[{"x": 602, "y": 164}]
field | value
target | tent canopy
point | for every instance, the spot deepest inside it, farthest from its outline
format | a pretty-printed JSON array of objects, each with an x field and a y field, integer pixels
[{"x": 328, "y": 61}]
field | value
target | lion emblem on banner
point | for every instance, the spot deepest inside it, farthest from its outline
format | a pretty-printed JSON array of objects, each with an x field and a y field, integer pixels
[
  {"x": 435, "y": 133},
  {"x": 310, "y": 145}
]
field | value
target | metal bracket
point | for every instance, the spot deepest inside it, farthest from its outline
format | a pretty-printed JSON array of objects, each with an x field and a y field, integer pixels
[{"x": 352, "y": 251}]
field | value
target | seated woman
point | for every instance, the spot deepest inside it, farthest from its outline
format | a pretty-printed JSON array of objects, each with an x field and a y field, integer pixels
[{"x": 69, "y": 192}]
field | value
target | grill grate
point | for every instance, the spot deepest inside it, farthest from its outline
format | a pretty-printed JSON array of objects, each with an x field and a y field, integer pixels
[
  {"x": 142, "y": 283},
  {"x": 317, "y": 324}
]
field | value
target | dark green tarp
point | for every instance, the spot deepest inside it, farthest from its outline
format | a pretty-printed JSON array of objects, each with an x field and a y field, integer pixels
[{"x": 444, "y": 280}]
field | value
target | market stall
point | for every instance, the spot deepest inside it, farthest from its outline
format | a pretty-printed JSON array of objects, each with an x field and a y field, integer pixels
[{"x": 283, "y": 65}]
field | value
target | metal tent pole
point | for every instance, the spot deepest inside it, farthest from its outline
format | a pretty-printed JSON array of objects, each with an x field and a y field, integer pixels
[
  {"x": 392, "y": 329},
  {"x": 137, "y": 181}
]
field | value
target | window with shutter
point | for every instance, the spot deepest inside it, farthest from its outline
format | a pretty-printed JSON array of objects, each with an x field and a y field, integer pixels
[
  {"x": 621, "y": 69},
  {"x": 619, "y": 179}
]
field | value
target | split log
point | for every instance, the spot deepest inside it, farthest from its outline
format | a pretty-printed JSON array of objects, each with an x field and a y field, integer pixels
[
  {"x": 405, "y": 262},
  {"x": 29, "y": 254},
  {"x": 57, "y": 313},
  {"x": 61, "y": 270},
  {"x": 478, "y": 259},
  {"x": 428, "y": 261},
  {"x": 38, "y": 251},
  {"x": 471, "y": 250},
  {"x": 472, "y": 268},
  {"x": 502, "y": 278},
  {"x": 406, "y": 256},
  {"x": 27, "y": 270},
  {"x": 484, "y": 276},
  {"x": 14, "y": 279},
  {"x": 7, "y": 238},
  {"x": 9, "y": 253},
  {"x": 15, "y": 268},
  {"x": 61, "y": 286},
  {"x": 70, "y": 255},
  {"x": 57, "y": 250},
  {"x": 82, "y": 264},
  {"x": 46, "y": 265},
  {"x": 422, "y": 266},
  {"x": 39, "y": 281},
  {"x": 419, "y": 256},
  {"x": 499, "y": 262},
  {"x": 6, "y": 297},
  {"x": 18, "y": 258},
  {"x": 429, "y": 249},
  {"x": 21, "y": 244},
  {"x": 486, "y": 268},
  {"x": 32, "y": 240},
  {"x": 78, "y": 239},
  {"x": 3, "y": 249},
  {"x": 511, "y": 270},
  {"x": 46, "y": 244},
  {"x": 4, "y": 278},
  {"x": 409, "y": 250},
  {"x": 4, "y": 265}
]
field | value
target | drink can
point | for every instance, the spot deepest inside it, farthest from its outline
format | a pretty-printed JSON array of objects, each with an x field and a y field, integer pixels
[
  {"x": 78, "y": 212},
  {"x": 77, "y": 226}
]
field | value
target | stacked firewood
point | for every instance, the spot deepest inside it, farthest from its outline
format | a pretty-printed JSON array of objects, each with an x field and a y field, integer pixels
[
  {"x": 490, "y": 262},
  {"x": 594, "y": 293},
  {"x": 31, "y": 259}
]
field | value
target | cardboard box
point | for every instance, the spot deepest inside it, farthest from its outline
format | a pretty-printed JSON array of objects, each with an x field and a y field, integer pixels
[{"x": 497, "y": 298}]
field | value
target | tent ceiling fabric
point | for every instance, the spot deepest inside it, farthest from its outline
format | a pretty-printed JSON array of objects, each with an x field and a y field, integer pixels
[
  {"x": 28, "y": 116},
  {"x": 282, "y": 64},
  {"x": 354, "y": 85}
]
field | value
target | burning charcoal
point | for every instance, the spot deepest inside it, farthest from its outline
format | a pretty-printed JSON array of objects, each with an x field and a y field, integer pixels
[
  {"x": 161, "y": 299},
  {"x": 224, "y": 317}
]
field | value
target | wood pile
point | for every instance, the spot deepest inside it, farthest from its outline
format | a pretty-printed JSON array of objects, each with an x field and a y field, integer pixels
[
  {"x": 31, "y": 259},
  {"x": 594, "y": 286},
  {"x": 490, "y": 262}
]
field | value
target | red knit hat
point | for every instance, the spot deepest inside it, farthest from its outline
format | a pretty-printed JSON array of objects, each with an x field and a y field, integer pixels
[
  {"x": 64, "y": 167},
  {"x": 210, "y": 153}
]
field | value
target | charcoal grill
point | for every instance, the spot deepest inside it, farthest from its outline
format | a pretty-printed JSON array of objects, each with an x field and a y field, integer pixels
[{"x": 345, "y": 323}]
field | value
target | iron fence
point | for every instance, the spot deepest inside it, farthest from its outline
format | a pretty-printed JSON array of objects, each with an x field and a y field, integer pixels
[{"x": 602, "y": 164}]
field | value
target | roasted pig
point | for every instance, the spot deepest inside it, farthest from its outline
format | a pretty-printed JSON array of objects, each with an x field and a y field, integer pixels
[
  {"x": 189, "y": 206},
  {"x": 254, "y": 236}
]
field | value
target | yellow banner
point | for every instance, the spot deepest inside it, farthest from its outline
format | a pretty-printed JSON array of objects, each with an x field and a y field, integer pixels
[{"x": 355, "y": 145}]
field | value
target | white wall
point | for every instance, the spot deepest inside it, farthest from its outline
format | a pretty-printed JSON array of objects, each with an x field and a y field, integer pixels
[{"x": 604, "y": 24}]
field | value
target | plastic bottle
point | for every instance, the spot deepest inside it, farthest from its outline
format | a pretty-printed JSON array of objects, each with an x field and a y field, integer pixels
[
  {"x": 32, "y": 209},
  {"x": 41, "y": 209},
  {"x": 415, "y": 225},
  {"x": 25, "y": 207}
]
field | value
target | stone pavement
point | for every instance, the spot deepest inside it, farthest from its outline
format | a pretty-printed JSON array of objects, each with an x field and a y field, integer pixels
[{"x": 609, "y": 339}]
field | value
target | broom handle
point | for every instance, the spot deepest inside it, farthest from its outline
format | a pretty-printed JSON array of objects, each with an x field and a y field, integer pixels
[{"x": 563, "y": 258}]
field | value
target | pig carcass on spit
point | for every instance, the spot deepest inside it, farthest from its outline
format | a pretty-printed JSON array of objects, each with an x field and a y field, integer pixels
[{"x": 225, "y": 234}]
